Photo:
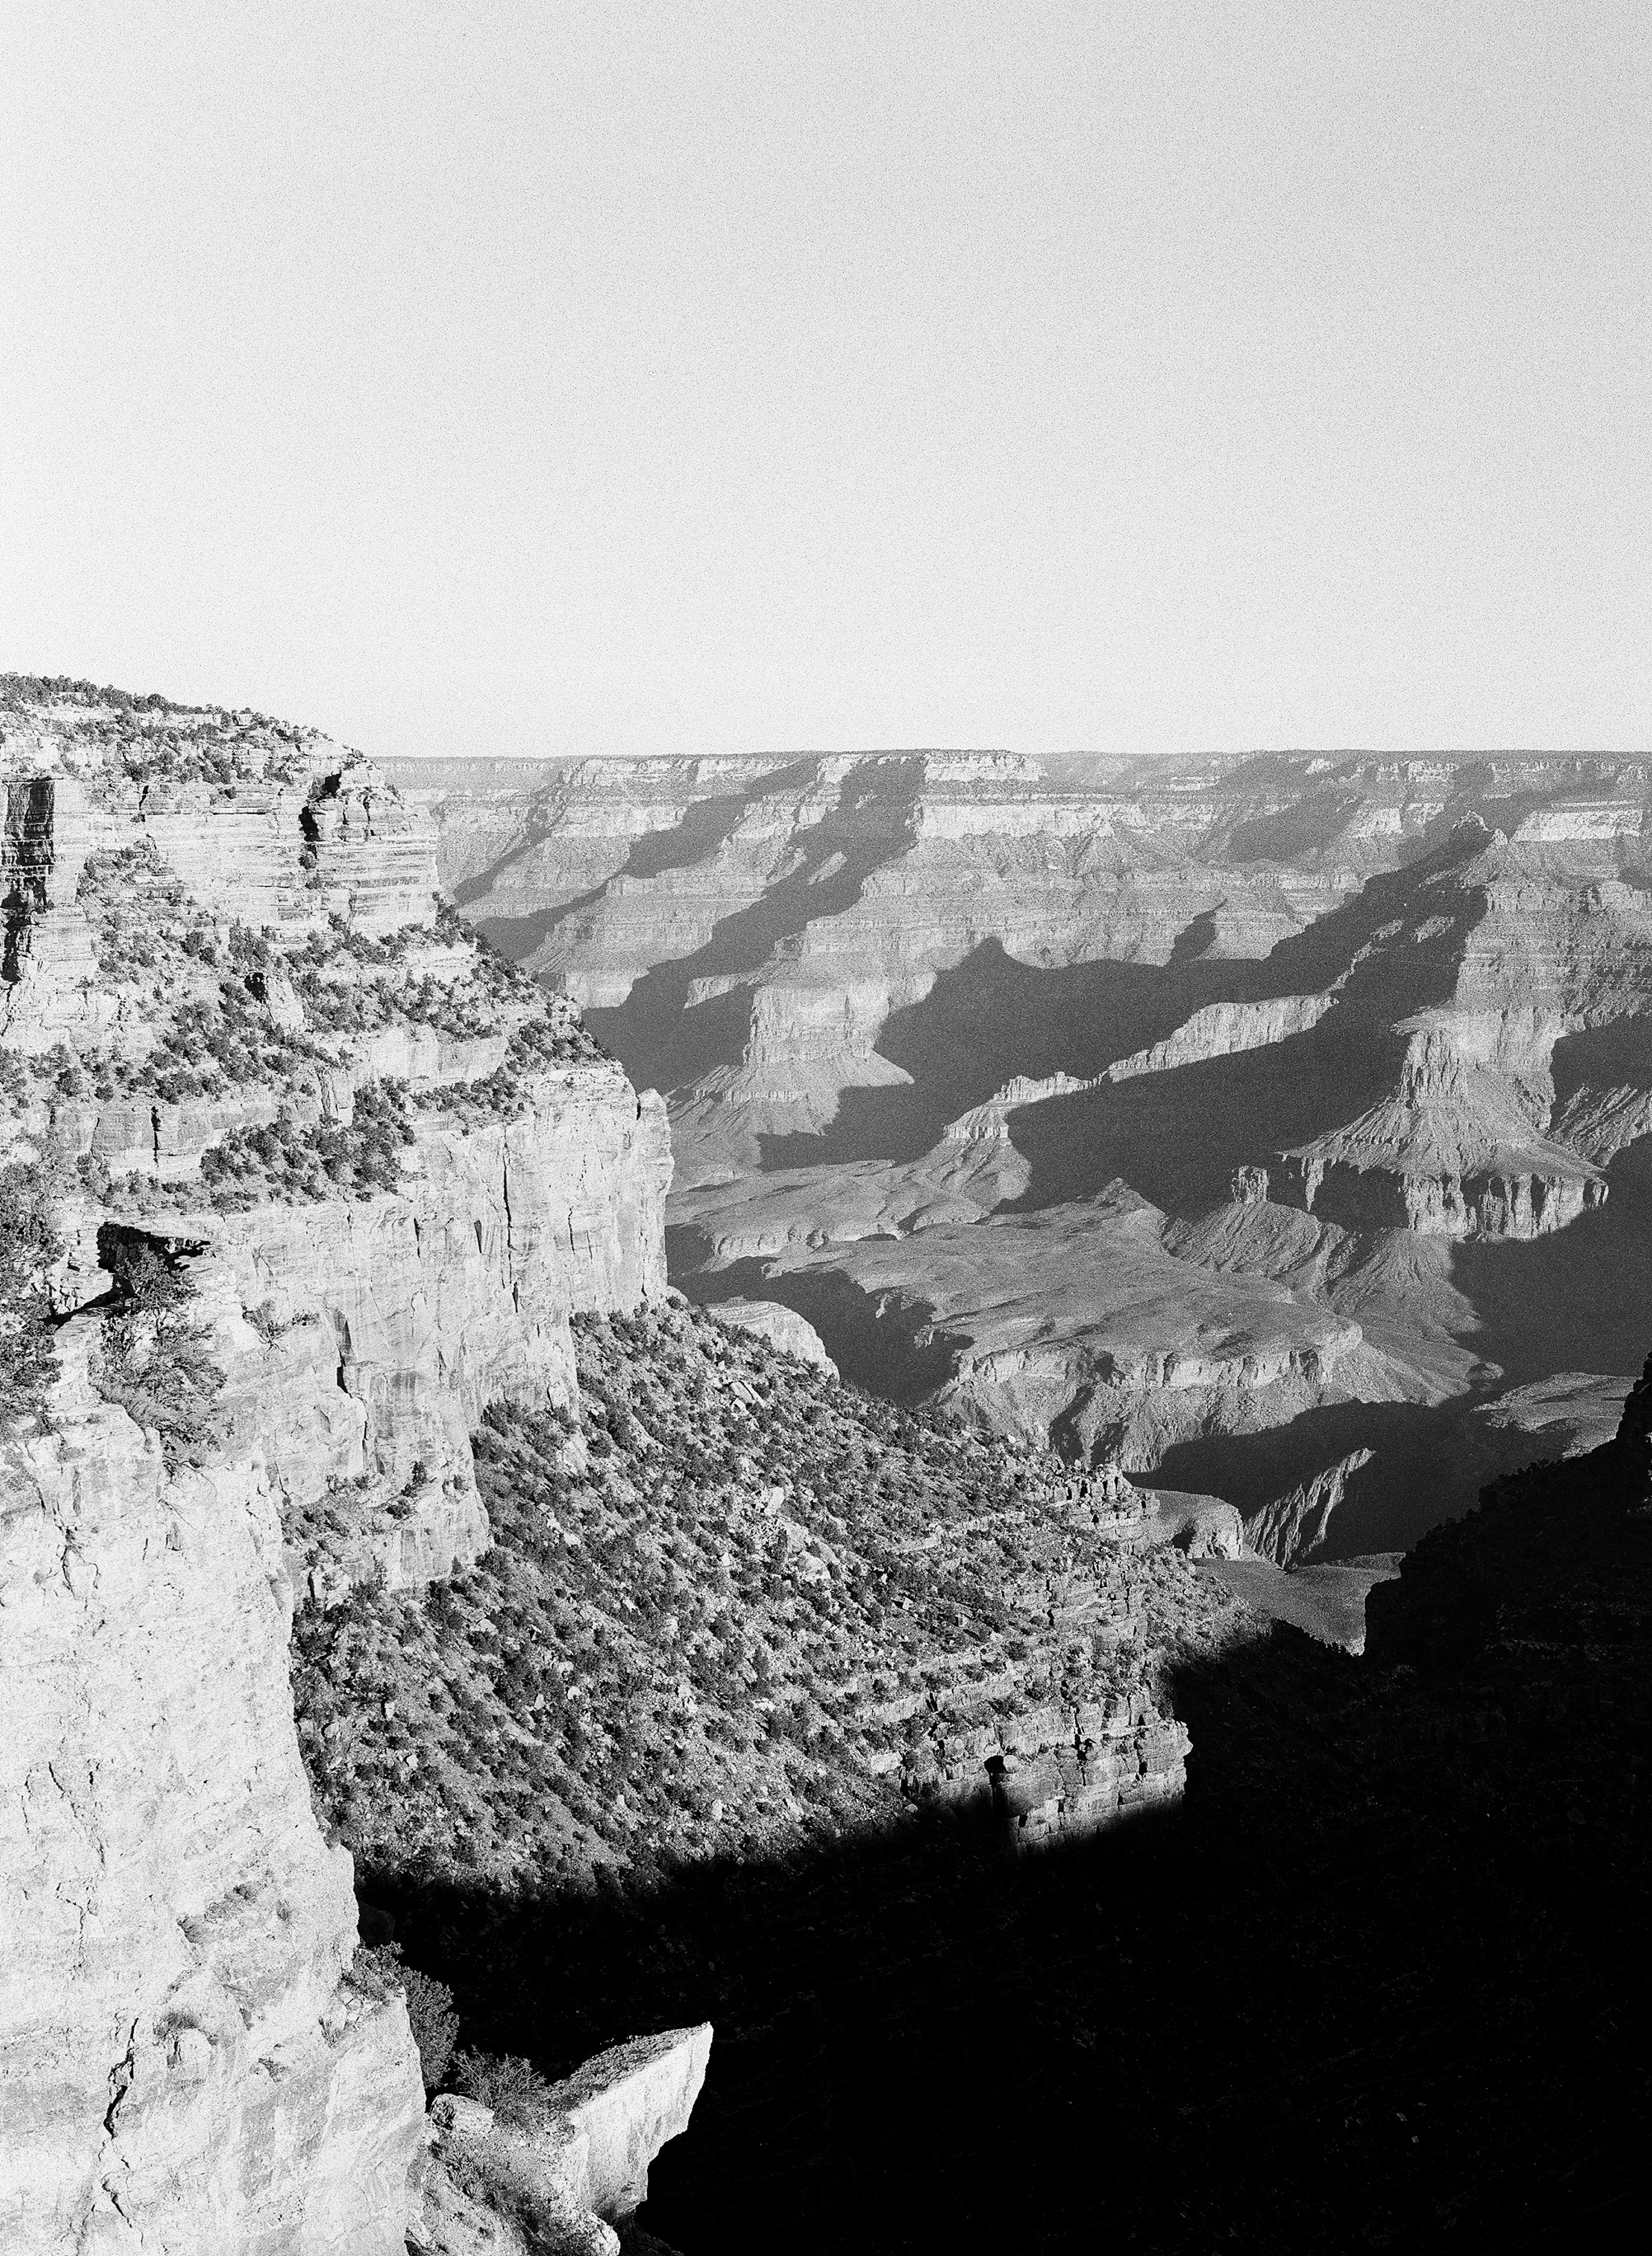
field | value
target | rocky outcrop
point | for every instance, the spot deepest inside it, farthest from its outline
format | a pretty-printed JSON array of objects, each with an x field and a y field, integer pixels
[
  {"x": 1223, "y": 1029},
  {"x": 1452, "y": 1153},
  {"x": 555, "y": 2176},
  {"x": 625, "y": 2104},
  {"x": 1204, "y": 1526},
  {"x": 782, "y": 1327},
  {"x": 364, "y": 1325},
  {"x": 422, "y": 1306},
  {"x": 1059, "y": 1779},
  {"x": 1295, "y": 1529},
  {"x": 284, "y": 1104}
]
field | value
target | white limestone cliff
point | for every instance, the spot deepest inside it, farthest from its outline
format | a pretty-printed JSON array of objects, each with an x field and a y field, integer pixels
[
  {"x": 217, "y": 931},
  {"x": 184, "y": 2063}
]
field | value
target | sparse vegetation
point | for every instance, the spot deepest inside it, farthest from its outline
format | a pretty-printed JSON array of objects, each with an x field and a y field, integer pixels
[
  {"x": 149, "y": 738},
  {"x": 738, "y": 1604},
  {"x": 29, "y": 1245},
  {"x": 510, "y": 2085}
]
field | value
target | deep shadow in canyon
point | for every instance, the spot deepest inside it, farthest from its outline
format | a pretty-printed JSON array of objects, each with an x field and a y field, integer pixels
[
  {"x": 1382, "y": 1981},
  {"x": 1570, "y": 1302},
  {"x": 1574, "y": 1300},
  {"x": 992, "y": 1017},
  {"x": 662, "y": 1040},
  {"x": 881, "y": 1341}
]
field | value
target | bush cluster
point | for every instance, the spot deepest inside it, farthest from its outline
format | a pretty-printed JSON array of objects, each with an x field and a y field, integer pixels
[
  {"x": 153, "y": 1357},
  {"x": 430, "y": 2007},
  {"x": 511, "y": 2086},
  {"x": 306, "y": 1161},
  {"x": 147, "y": 738},
  {"x": 29, "y": 1245}
]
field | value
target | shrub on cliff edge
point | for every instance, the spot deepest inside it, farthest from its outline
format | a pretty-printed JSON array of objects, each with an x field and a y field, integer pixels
[
  {"x": 511, "y": 2086},
  {"x": 154, "y": 1357},
  {"x": 430, "y": 2007}
]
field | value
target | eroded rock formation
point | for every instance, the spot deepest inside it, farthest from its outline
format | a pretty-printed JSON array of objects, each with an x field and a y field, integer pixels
[
  {"x": 1347, "y": 1024},
  {"x": 1295, "y": 1529},
  {"x": 780, "y": 1326},
  {"x": 554, "y": 2178},
  {"x": 324, "y": 1181}
]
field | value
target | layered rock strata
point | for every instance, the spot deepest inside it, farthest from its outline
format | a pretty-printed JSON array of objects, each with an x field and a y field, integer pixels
[
  {"x": 1060, "y": 1778},
  {"x": 1076, "y": 1323},
  {"x": 1295, "y": 1528},
  {"x": 326, "y": 1180},
  {"x": 780, "y": 1326},
  {"x": 207, "y": 1087},
  {"x": 1377, "y": 1010}
]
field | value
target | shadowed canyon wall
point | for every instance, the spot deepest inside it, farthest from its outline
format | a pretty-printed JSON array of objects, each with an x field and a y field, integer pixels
[{"x": 1132, "y": 1105}]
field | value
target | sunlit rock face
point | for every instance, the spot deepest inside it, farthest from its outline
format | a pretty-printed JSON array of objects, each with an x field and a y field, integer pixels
[
  {"x": 561, "y": 2180},
  {"x": 184, "y": 2061},
  {"x": 172, "y": 874},
  {"x": 780, "y": 1326},
  {"x": 247, "y": 1051},
  {"x": 1452, "y": 1154}
]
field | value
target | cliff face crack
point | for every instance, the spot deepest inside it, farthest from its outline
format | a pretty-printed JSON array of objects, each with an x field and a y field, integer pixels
[{"x": 120, "y": 2079}]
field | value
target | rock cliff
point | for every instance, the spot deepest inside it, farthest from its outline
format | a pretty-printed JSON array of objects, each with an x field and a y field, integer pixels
[
  {"x": 184, "y": 2061},
  {"x": 310, "y": 1179}
]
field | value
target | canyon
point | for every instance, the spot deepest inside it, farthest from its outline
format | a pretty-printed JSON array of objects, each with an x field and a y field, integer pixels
[
  {"x": 473, "y": 1680},
  {"x": 376, "y": 1516},
  {"x": 1217, "y": 1120}
]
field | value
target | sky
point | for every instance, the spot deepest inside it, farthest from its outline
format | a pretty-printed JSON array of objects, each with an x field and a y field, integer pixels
[{"x": 539, "y": 378}]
